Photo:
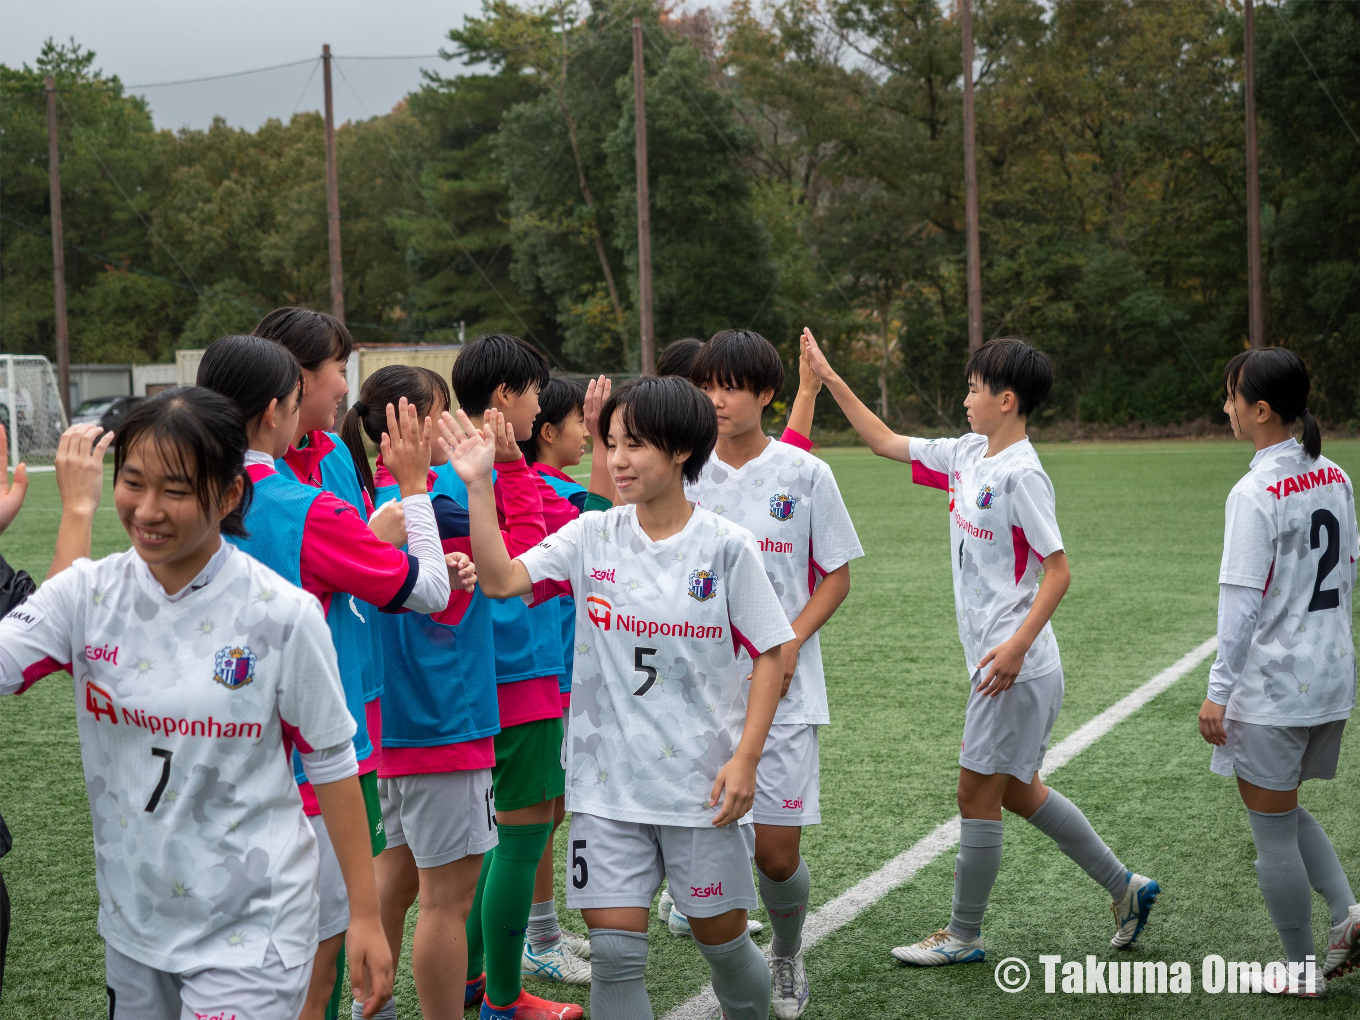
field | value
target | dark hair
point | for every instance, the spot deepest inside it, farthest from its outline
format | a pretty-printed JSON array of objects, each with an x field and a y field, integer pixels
[
  {"x": 740, "y": 358},
  {"x": 1009, "y": 363},
  {"x": 678, "y": 356},
  {"x": 670, "y": 414},
  {"x": 497, "y": 359},
  {"x": 1279, "y": 377},
  {"x": 387, "y": 385},
  {"x": 200, "y": 433},
  {"x": 314, "y": 337},
  {"x": 555, "y": 401},
  {"x": 251, "y": 371}
]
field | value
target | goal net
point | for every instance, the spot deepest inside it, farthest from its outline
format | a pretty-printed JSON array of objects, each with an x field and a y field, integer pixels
[{"x": 30, "y": 409}]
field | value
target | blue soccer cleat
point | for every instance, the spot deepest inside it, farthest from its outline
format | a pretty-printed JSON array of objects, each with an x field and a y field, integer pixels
[
  {"x": 939, "y": 949},
  {"x": 1131, "y": 912}
]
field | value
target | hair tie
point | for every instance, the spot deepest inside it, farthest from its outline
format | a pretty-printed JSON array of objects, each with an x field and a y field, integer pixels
[{"x": 360, "y": 408}]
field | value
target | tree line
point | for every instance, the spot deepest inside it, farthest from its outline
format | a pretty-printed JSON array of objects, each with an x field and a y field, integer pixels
[{"x": 805, "y": 169}]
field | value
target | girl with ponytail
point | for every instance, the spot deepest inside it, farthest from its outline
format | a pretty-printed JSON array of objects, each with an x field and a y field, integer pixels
[
  {"x": 321, "y": 543},
  {"x": 1283, "y": 683}
]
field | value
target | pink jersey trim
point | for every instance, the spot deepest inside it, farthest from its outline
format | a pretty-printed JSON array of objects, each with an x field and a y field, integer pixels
[
  {"x": 417, "y": 761},
  {"x": 922, "y": 475},
  {"x": 527, "y": 701},
  {"x": 1021, "y": 546},
  {"x": 815, "y": 571},
  {"x": 739, "y": 642},
  {"x": 45, "y": 666},
  {"x": 310, "y": 807},
  {"x": 796, "y": 439},
  {"x": 566, "y": 700}
]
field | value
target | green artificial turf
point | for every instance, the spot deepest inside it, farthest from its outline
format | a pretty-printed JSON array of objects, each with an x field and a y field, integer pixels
[{"x": 1142, "y": 524}]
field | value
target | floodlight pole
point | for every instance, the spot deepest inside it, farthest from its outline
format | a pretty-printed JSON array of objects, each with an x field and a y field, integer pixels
[
  {"x": 644, "y": 219},
  {"x": 970, "y": 192},
  {"x": 1256, "y": 318},
  {"x": 58, "y": 262},
  {"x": 332, "y": 196}
]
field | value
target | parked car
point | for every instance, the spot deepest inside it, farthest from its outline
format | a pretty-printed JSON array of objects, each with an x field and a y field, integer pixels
[{"x": 106, "y": 412}]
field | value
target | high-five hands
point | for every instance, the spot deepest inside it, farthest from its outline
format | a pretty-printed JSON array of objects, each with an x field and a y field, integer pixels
[
  {"x": 11, "y": 496},
  {"x": 406, "y": 448},
  {"x": 80, "y": 467},
  {"x": 816, "y": 360},
  {"x": 472, "y": 451}
]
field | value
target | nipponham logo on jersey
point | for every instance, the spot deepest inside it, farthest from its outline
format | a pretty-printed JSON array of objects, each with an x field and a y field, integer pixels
[
  {"x": 984, "y": 497},
  {"x": 703, "y": 584},
  {"x": 599, "y": 610},
  {"x": 99, "y": 702},
  {"x": 235, "y": 667},
  {"x": 781, "y": 506}
]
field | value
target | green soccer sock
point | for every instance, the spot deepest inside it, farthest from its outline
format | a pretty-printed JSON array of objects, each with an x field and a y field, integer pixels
[
  {"x": 476, "y": 951},
  {"x": 505, "y": 906}
]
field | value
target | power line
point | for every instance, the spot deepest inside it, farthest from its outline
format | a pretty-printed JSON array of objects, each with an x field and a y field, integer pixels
[
  {"x": 1322, "y": 85},
  {"x": 219, "y": 77}
]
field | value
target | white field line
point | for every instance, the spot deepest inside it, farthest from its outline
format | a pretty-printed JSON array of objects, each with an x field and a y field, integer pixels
[{"x": 836, "y": 913}]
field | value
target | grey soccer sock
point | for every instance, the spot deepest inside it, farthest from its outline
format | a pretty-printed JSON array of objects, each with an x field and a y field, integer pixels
[
  {"x": 617, "y": 962},
  {"x": 1062, "y": 821},
  {"x": 388, "y": 1012},
  {"x": 741, "y": 978},
  {"x": 975, "y": 871},
  {"x": 544, "y": 931},
  {"x": 1324, "y": 869},
  {"x": 787, "y": 903},
  {"x": 1284, "y": 880}
]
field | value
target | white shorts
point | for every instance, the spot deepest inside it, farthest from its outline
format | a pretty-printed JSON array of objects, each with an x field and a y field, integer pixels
[
  {"x": 1278, "y": 757},
  {"x": 442, "y": 816},
  {"x": 330, "y": 885},
  {"x": 789, "y": 777},
  {"x": 1009, "y": 733},
  {"x": 621, "y": 864},
  {"x": 270, "y": 992}
]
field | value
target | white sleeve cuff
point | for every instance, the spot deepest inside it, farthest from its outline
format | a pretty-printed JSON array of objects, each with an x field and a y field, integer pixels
[
  {"x": 430, "y": 594},
  {"x": 330, "y": 764}
]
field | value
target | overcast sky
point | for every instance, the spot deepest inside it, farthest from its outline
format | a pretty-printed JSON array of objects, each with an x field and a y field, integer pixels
[{"x": 147, "y": 41}]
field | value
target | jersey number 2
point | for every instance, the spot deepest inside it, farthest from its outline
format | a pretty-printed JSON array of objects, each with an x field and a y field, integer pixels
[
  {"x": 643, "y": 667},
  {"x": 165, "y": 756},
  {"x": 1325, "y": 598}
]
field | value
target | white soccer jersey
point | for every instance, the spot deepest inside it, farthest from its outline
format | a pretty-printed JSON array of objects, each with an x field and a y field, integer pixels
[
  {"x": 202, "y": 853},
  {"x": 657, "y": 701},
  {"x": 1002, "y": 524},
  {"x": 1291, "y": 534},
  {"x": 789, "y": 501}
]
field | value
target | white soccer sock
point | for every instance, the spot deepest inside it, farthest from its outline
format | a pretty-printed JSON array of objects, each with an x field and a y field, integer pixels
[
  {"x": 1325, "y": 873},
  {"x": 544, "y": 930},
  {"x": 1061, "y": 820},
  {"x": 741, "y": 978},
  {"x": 618, "y": 960},
  {"x": 975, "y": 870}
]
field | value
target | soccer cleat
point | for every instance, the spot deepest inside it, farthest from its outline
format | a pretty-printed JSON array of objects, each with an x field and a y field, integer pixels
[
  {"x": 790, "y": 992},
  {"x": 577, "y": 945},
  {"x": 1298, "y": 991},
  {"x": 665, "y": 904},
  {"x": 1131, "y": 912},
  {"x": 531, "y": 1007},
  {"x": 678, "y": 924},
  {"x": 556, "y": 963},
  {"x": 1343, "y": 946},
  {"x": 941, "y": 948},
  {"x": 388, "y": 1012},
  {"x": 474, "y": 991}
]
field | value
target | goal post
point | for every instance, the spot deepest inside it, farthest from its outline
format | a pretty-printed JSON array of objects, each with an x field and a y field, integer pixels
[{"x": 30, "y": 409}]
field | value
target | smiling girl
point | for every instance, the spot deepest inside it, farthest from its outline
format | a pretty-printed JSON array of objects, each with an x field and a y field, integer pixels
[{"x": 197, "y": 669}]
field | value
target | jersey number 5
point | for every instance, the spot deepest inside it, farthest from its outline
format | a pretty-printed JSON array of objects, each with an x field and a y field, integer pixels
[
  {"x": 165, "y": 756},
  {"x": 1325, "y": 598},
  {"x": 642, "y": 667}
]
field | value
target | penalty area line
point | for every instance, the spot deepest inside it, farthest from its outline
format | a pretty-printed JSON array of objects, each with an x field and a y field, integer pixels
[{"x": 836, "y": 913}]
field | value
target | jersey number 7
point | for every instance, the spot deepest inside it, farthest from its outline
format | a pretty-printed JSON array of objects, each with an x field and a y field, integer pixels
[{"x": 165, "y": 756}]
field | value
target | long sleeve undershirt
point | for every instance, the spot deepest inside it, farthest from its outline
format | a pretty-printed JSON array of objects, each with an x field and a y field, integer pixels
[{"x": 1238, "y": 607}]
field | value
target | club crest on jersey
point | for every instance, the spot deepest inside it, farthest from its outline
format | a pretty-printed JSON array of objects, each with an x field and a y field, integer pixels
[
  {"x": 781, "y": 506},
  {"x": 599, "y": 610},
  {"x": 703, "y": 584},
  {"x": 984, "y": 497},
  {"x": 235, "y": 667}
]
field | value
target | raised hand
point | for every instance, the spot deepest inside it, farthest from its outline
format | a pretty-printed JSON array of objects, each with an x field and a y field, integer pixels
[
  {"x": 815, "y": 358},
  {"x": 80, "y": 468},
  {"x": 808, "y": 380},
  {"x": 406, "y": 447},
  {"x": 11, "y": 496},
  {"x": 597, "y": 392},
  {"x": 473, "y": 456},
  {"x": 504, "y": 434}
]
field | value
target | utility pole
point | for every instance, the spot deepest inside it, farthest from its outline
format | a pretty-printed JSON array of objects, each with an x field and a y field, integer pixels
[
  {"x": 644, "y": 218},
  {"x": 1256, "y": 318},
  {"x": 332, "y": 195},
  {"x": 970, "y": 189},
  {"x": 58, "y": 259}
]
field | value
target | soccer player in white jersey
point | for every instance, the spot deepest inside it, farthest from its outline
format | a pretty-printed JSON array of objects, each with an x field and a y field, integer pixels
[
  {"x": 1283, "y": 683},
  {"x": 789, "y": 501},
  {"x": 196, "y": 670},
  {"x": 1003, "y": 535},
  {"x": 665, "y": 732}
]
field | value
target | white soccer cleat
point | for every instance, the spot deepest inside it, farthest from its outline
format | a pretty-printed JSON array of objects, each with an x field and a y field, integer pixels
[
  {"x": 577, "y": 945},
  {"x": 790, "y": 992},
  {"x": 1298, "y": 990},
  {"x": 1343, "y": 946},
  {"x": 558, "y": 965},
  {"x": 678, "y": 924},
  {"x": 664, "y": 905},
  {"x": 1131, "y": 912},
  {"x": 941, "y": 948}
]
